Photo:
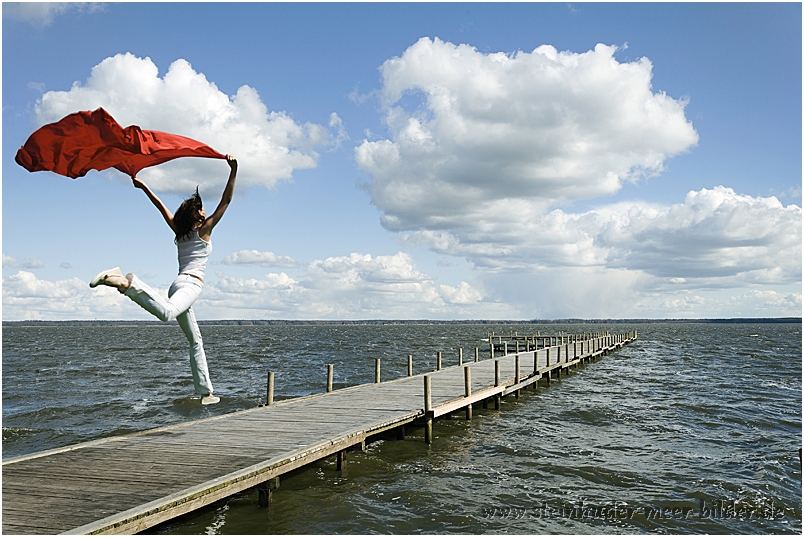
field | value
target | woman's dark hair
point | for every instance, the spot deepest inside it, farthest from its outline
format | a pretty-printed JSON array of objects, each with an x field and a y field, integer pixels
[{"x": 187, "y": 217}]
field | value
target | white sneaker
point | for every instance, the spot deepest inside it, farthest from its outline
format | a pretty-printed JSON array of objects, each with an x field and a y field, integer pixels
[
  {"x": 101, "y": 276},
  {"x": 210, "y": 400}
]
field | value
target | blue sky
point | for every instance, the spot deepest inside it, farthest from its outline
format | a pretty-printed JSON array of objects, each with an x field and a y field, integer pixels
[{"x": 420, "y": 161}]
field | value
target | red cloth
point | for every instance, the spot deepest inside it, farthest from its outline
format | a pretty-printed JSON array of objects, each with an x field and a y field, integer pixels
[{"x": 95, "y": 141}]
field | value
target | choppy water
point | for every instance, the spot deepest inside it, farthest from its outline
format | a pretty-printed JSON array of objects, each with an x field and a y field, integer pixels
[{"x": 695, "y": 428}]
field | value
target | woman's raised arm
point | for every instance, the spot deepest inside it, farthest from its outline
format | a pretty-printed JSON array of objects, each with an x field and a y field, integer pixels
[
  {"x": 166, "y": 214},
  {"x": 212, "y": 220}
]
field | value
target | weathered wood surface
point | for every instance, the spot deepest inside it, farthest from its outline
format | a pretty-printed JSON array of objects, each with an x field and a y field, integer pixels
[{"x": 129, "y": 483}]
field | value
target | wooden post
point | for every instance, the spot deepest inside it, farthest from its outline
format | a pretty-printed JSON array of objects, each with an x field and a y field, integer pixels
[
  {"x": 270, "y": 389},
  {"x": 330, "y": 368},
  {"x": 410, "y": 365},
  {"x": 428, "y": 407},
  {"x": 497, "y": 383},
  {"x": 517, "y": 346},
  {"x": 516, "y": 374},
  {"x": 376, "y": 371},
  {"x": 438, "y": 362},
  {"x": 467, "y": 389},
  {"x": 266, "y": 490},
  {"x": 491, "y": 346},
  {"x": 341, "y": 460},
  {"x": 558, "y": 361},
  {"x": 460, "y": 356},
  {"x": 506, "y": 349},
  {"x": 477, "y": 354}
]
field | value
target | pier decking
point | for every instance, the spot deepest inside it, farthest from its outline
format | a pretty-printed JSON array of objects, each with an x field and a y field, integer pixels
[{"x": 126, "y": 484}]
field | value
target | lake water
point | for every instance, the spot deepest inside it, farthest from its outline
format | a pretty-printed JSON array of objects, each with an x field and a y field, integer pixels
[{"x": 694, "y": 428}]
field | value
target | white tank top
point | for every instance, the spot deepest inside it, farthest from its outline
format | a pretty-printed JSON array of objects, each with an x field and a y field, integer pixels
[{"x": 193, "y": 254}]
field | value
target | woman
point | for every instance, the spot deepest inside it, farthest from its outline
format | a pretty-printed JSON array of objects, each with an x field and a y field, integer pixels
[{"x": 193, "y": 230}]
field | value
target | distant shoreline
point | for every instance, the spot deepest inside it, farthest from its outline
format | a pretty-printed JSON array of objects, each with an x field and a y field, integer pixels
[{"x": 387, "y": 322}]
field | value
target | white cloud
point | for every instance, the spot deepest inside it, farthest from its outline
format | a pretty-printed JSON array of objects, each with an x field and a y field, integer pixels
[
  {"x": 462, "y": 294},
  {"x": 714, "y": 234},
  {"x": 27, "y": 297},
  {"x": 485, "y": 148},
  {"x": 263, "y": 259},
  {"x": 356, "y": 286},
  {"x": 497, "y": 133},
  {"x": 41, "y": 14},
  {"x": 269, "y": 145},
  {"x": 32, "y": 263},
  {"x": 335, "y": 122},
  {"x": 765, "y": 302},
  {"x": 714, "y": 238}
]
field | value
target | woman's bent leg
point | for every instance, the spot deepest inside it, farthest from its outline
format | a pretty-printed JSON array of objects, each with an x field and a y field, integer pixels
[
  {"x": 181, "y": 296},
  {"x": 198, "y": 359},
  {"x": 183, "y": 293}
]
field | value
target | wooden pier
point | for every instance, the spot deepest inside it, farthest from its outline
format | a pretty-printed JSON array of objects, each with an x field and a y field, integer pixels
[{"x": 126, "y": 484}]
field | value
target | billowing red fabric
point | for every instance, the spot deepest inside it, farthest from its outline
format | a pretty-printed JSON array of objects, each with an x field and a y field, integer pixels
[{"x": 95, "y": 141}]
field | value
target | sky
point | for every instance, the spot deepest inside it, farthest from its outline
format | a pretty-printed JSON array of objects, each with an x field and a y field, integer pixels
[{"x": 419, "y": 161}]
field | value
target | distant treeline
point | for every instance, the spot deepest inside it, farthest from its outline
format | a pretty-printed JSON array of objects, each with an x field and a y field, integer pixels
[{"x": 386, "y": 322}]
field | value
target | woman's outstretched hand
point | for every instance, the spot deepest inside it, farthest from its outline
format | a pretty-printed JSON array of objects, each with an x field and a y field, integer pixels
[
  {"x": 138, "y": 184},
  {"x": 232, "y": 162}
]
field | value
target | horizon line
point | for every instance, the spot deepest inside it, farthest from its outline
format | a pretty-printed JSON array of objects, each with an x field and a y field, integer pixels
[{"x": 570, "y": 320}]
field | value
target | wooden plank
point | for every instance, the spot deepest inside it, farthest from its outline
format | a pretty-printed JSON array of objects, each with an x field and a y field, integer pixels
[
  {"x": 20, "y": 497},
  {"x": 34, "y": 527},
  {"x": 457, "y": 404}
]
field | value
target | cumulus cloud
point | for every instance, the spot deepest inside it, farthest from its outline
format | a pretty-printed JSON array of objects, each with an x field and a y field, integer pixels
[
  {"x": 490, "y": 134},
  {"x": 356, "y": 286},
  {"x": 41, "y": 14},
  {"x": 462, "y": 294},
  {"x": 27, "y": 297},
  {"x": 269, "y": 144},
  {"x": 486, "y": 150},
  {"x": 263, "y": 259},
  {"x": 713, "y": 234},
  {"x": 714, "y": 238}
]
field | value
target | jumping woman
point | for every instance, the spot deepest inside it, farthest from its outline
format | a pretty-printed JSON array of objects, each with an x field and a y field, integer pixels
[{"x": 193, "y": 230}]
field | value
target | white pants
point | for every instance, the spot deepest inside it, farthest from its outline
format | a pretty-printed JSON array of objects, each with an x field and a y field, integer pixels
[{"x": 181, "y": 296}]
